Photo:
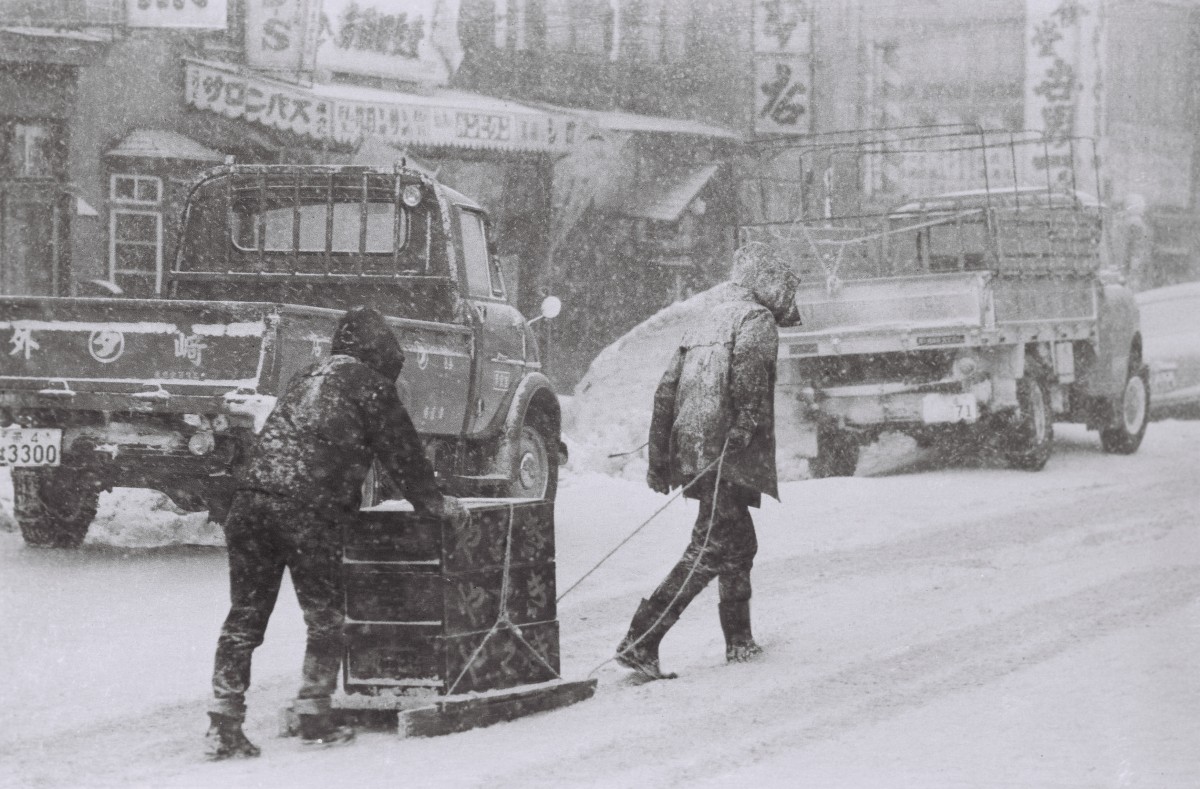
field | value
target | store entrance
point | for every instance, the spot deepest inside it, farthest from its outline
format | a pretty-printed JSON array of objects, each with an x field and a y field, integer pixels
[{"x": 31, "y": 233}]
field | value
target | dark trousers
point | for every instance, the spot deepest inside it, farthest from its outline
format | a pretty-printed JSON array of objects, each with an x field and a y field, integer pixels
[
  {"x": 726, "y": 554},
  {"x": 265, "y": 534}
]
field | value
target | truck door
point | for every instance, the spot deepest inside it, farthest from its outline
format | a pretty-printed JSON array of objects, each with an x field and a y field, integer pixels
[{"x": 499, "y": 349}]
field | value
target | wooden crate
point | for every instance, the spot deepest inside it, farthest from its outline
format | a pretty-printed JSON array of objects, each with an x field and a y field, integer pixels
[{"x": 423, "y": 599}]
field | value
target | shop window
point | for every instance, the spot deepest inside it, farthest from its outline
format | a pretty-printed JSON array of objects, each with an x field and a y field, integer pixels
[
  {"x": 650, "y": 33},
  {"x": 136, "y": 235},
  {"x": 512, "y": 24}
]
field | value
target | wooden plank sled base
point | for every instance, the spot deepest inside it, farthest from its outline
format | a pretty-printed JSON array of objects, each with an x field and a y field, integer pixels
[{"x": 452, "y": 714}]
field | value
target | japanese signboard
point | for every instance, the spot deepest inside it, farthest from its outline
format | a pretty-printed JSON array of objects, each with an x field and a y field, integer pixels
[
  {"x": 409, "y": 40},
  {"x": 782, "y": 26},
  {"x": 782, "y": 84},
  {"x": 782, "y": 67},
  {"x": 195, "y": 14},
  {"x": 277, "y": 105},
  {"x": 419, "y": 120},
  {"x": 1062, "y": 74},
  {"x": 282, "y": 34}
]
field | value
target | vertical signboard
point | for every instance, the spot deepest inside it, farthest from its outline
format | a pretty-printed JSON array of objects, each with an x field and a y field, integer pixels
[
  {"x": 410, "y": 40},
  {"x": 192, "y": 14},
  {"x": 782, "y": 67},
  {"x": 1062, "y": 86},
  {"x": 281, "y": 35}
]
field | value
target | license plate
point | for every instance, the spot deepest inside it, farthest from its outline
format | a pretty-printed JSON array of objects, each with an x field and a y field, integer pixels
[
  {"x": 938, "y": 408},
  {"x": 30, "y": 446}
]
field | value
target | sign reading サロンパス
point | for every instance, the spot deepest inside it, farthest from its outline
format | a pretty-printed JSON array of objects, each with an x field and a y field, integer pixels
[
  {"x": 195, "y": 14},
  {"x": 269, "y": 103}
]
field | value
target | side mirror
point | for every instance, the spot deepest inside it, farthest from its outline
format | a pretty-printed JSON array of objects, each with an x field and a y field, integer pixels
[{"x": 551, "y": 306}]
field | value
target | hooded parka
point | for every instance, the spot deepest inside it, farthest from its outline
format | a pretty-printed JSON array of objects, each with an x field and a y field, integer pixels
[{"x": 720, "y": 384}]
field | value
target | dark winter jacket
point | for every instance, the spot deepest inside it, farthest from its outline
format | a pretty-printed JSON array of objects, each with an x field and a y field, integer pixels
[
  {"x": 721, "y": 382},
  {"x": 318, "y": 442}
]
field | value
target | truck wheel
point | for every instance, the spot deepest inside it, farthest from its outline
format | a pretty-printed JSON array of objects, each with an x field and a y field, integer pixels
[
  {"x": 837, "y": 454},
  {"x": 54, "y": 507},
  {"x": 1030, "y": 436},
  {"x": 1134, "y": 409},
  {"x": 535, "y": 475}
]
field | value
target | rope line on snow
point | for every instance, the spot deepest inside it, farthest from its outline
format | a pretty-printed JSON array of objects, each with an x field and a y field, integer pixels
[{"x": 643, "y": 525}]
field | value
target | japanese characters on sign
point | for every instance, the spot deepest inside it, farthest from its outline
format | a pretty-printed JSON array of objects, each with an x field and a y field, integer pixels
[
  {"x": 276, "y": 105},
  {"x": 306, "y": 113},
  {"x": 411, "y": 40},
  {"x": 1061, "y": 76},
  {"x": 282, "y": 34},
  {"x": 194, "y": 14},
  {"x": 782, "y": 66},
  {"x": 782, "y": 84}
]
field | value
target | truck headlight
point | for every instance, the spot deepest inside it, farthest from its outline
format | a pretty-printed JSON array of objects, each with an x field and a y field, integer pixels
[
  {"x": 201, "y": 443},
  {"x": 966, "y": 366}
]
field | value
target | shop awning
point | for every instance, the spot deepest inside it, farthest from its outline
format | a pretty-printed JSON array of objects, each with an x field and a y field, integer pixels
[
  {"x": 50, "y": 45},
  {"x": 163, "y": 144},
  {"x": 616, "y": 120},
  {"x": 348, "y": 113},
  {"x": 665, "y": 196}
]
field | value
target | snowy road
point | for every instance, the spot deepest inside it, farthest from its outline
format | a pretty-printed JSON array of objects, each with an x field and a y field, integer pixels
[{"x": 931, "y": 627}]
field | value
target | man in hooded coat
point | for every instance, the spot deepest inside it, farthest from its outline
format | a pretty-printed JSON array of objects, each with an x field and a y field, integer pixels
[
  {"x": 300, "y": 485},
  {"x": 713, "y": 434}
]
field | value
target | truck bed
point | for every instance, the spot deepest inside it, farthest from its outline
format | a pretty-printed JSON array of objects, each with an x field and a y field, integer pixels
[{"x": 185, "y": 356}]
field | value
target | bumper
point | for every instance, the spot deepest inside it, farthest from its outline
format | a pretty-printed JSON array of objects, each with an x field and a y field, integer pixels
[{"x": 879, "y": 405}]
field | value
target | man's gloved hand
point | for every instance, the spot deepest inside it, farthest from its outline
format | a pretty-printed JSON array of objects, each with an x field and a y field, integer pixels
[
  {"x": 657, "y": 481},
  {"x": 737, "y": 440},
  {"x": 453, "y": 510}
]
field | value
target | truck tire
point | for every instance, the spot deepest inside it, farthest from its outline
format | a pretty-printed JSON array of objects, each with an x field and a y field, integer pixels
[
  {"x": 1134, "y": 411},
  {"x": 535, "y": 471},
  {"x": 54, "y": 507},
  {"x": 1029, "y": 439},
  {"x": 837, "y": 454}
]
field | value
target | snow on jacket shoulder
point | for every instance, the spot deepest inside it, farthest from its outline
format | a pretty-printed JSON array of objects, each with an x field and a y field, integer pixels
[{"x": 721, "y": 377}]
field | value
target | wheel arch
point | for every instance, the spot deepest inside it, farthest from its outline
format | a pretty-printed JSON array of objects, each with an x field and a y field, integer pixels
[{"x": 534, "y": 395}]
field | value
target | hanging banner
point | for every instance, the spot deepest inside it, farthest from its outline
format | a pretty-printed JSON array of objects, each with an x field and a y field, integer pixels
[
  {"x": 335, "y": 112},
  {"x": 407, "y": 40},
  {"x": 182, "y": 14},
  {"x": 281, "y": 35},
  {"x": 279, "y": 106}
]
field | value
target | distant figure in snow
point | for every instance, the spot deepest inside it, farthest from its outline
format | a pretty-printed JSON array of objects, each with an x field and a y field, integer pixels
[
  {"x": 301, "y": 483},
  {"x": 714, "y": 417},
  {"x": 1136, "y": 251}
]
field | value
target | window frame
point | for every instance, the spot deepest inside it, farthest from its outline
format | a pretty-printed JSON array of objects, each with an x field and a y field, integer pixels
[
  {"x": 495, "y": 285},
  {"x": 113, "y": 271},
  {"x": 137, "y": 179}
]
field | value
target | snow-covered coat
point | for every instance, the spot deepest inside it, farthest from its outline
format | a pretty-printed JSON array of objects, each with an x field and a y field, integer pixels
[
  {"x": 720, "y": 382},
  {"x": 334, "y": 417}
]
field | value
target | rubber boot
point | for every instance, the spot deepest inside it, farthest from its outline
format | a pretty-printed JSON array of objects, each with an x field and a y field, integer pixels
[
  {"x": 226, "y": 740},
  {"x": 638, "y": 650},
  {"x": 321, "y": 730},
  {"x": 735, "y": 624}
]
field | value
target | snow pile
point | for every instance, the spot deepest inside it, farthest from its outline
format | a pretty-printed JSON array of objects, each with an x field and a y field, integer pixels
[
  {"x": 610, "y": 412},
  {"x": 139, "y": 518}
]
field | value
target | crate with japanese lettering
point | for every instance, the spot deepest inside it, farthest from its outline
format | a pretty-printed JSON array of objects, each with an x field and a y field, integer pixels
[{"x": 452, "y": 608}]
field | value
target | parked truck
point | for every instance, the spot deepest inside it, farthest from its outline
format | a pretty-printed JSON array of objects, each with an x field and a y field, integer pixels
[
  {"x": 979, "y": 316},
  {"x": 168, "y": 393}
]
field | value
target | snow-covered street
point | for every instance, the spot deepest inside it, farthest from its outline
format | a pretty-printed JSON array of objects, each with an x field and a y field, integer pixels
[{"x": 925, "y": 627}]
